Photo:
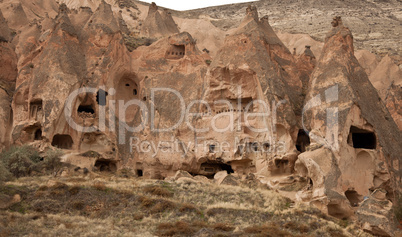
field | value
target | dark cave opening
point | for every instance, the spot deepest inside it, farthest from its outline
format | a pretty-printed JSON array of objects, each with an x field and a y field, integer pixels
[
  {"x": 360, "y": 138},
  {"x": 105, "y": 165},
  {"x": 62, "y": 141}
]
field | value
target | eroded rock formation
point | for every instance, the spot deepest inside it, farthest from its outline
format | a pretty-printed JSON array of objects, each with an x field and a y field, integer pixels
[
  {"x": 355, "y": 146},
  {"x": 158, "y": 24}
]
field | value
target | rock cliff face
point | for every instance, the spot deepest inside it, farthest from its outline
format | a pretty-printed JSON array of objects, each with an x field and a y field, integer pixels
[
  {"x": 359, "y": 151},
  {"x": 8, "y": 74},
  {"x": 306, "y": 121}
]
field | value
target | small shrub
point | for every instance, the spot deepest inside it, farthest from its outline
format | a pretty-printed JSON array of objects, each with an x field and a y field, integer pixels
[
  {"x": 302, "y": 228},
  {"x": 138, "y": 216},
  {"x": 20, "y": 161},
  {"x": 5, "y": 175},
  {"x": 208, "y": 62},
  {"x": 267, "y": 228},
  {"x": 178, "y": 228},
  {"x": 146, "y": 201},
  {"x": 52, "y": 159},
  {"x": 59, "y": 189},
  {"x": 99, "y": 186},
  {"x": 223, "y": 227},
  {"x": 161, "y": 206},
  {"x": 74, "y": 190},
  {"x": 78, "y": 205},
  {"x": 158, "y": 191},
  {"x": 187, "y": 207}
]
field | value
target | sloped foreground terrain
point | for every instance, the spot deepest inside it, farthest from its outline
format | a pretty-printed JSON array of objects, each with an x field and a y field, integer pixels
[{"x": 110, "y": 205}]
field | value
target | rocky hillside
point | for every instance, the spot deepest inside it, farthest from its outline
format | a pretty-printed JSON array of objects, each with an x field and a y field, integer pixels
[
  {"x": 298, "y": 97},
  {"x": 376, "y": 24}
]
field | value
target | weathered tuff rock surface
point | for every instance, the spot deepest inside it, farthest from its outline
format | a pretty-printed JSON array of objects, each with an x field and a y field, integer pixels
[
  {"x": 361, "y": 153},
  {"x": 315, "y": 122}
]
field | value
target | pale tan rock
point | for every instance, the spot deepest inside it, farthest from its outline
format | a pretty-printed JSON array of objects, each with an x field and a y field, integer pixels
[
  {"x": 202, "y": 179},
  {"x": 16, "y": 199},
  {"x": 229, "y": 180},
  {"x": 186, "y": 180},
  {"x": 182, "y": 173},
  {"x": 219, "y": 176}
]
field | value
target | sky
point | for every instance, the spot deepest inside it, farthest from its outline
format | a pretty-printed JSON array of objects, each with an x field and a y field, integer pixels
[{"x": 182, "y": 5}]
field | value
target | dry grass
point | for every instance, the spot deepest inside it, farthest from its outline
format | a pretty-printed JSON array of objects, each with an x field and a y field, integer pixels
[
  {"x": 158, "y": 191},
  {"x": 113, "y": 206}
]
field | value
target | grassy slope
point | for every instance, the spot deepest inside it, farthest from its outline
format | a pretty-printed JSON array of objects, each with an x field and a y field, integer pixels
[{"x": 113, "y": 206}]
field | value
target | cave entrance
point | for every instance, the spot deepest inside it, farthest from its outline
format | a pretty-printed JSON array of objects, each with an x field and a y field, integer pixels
[
  {"x": 209, "y": 169},
  {"x": 303, "y": 141},
  {"x": 360, "y": 138},
  {"x": 353, "y": 197},
  {"x": 105, "y": 165},
  {"x": 86, "y": 109},
  {"x": 38, "y": 134},
  {"x": 140, "y": 173},
  {"x": 62, "y": 141},
  {"x": 336, "y": 211}
]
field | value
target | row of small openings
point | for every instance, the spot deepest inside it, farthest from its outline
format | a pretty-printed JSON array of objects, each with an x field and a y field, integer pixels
[
  {"x": 175, "y": 53},
  {"x": 250, "y": 147},
  {"x": 229, "y": 110},
  {"x": 135, "y": 92}
]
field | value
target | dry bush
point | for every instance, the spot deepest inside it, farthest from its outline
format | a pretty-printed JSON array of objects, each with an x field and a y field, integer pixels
[
  {"x": 269, "y": 228},
  {"x": 335, "y": 232},
  {"x": 180, "y": 228},
  {"x": 300, "y": 227},
  {"x": 188, "y": 207},
  {"x": 158, "y": 191},
  {"x": 59, "y": 189},
  {"x": 138, "y": 216},
  {"x": 146, "y": 201},
  {"x": 74, "y": 190},
  {"x": 99, "y": 186},
  {"x": 222, "y": 227},
  {"x": 161, "y": 206},
  {"x": 77, "y": 205}
]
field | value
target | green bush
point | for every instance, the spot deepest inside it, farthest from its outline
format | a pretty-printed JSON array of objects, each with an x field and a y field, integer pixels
[
  {"x": 5, "y": 175},
  {"x": 20, "y": 161},
  {"x": 52, "y": 159}
]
